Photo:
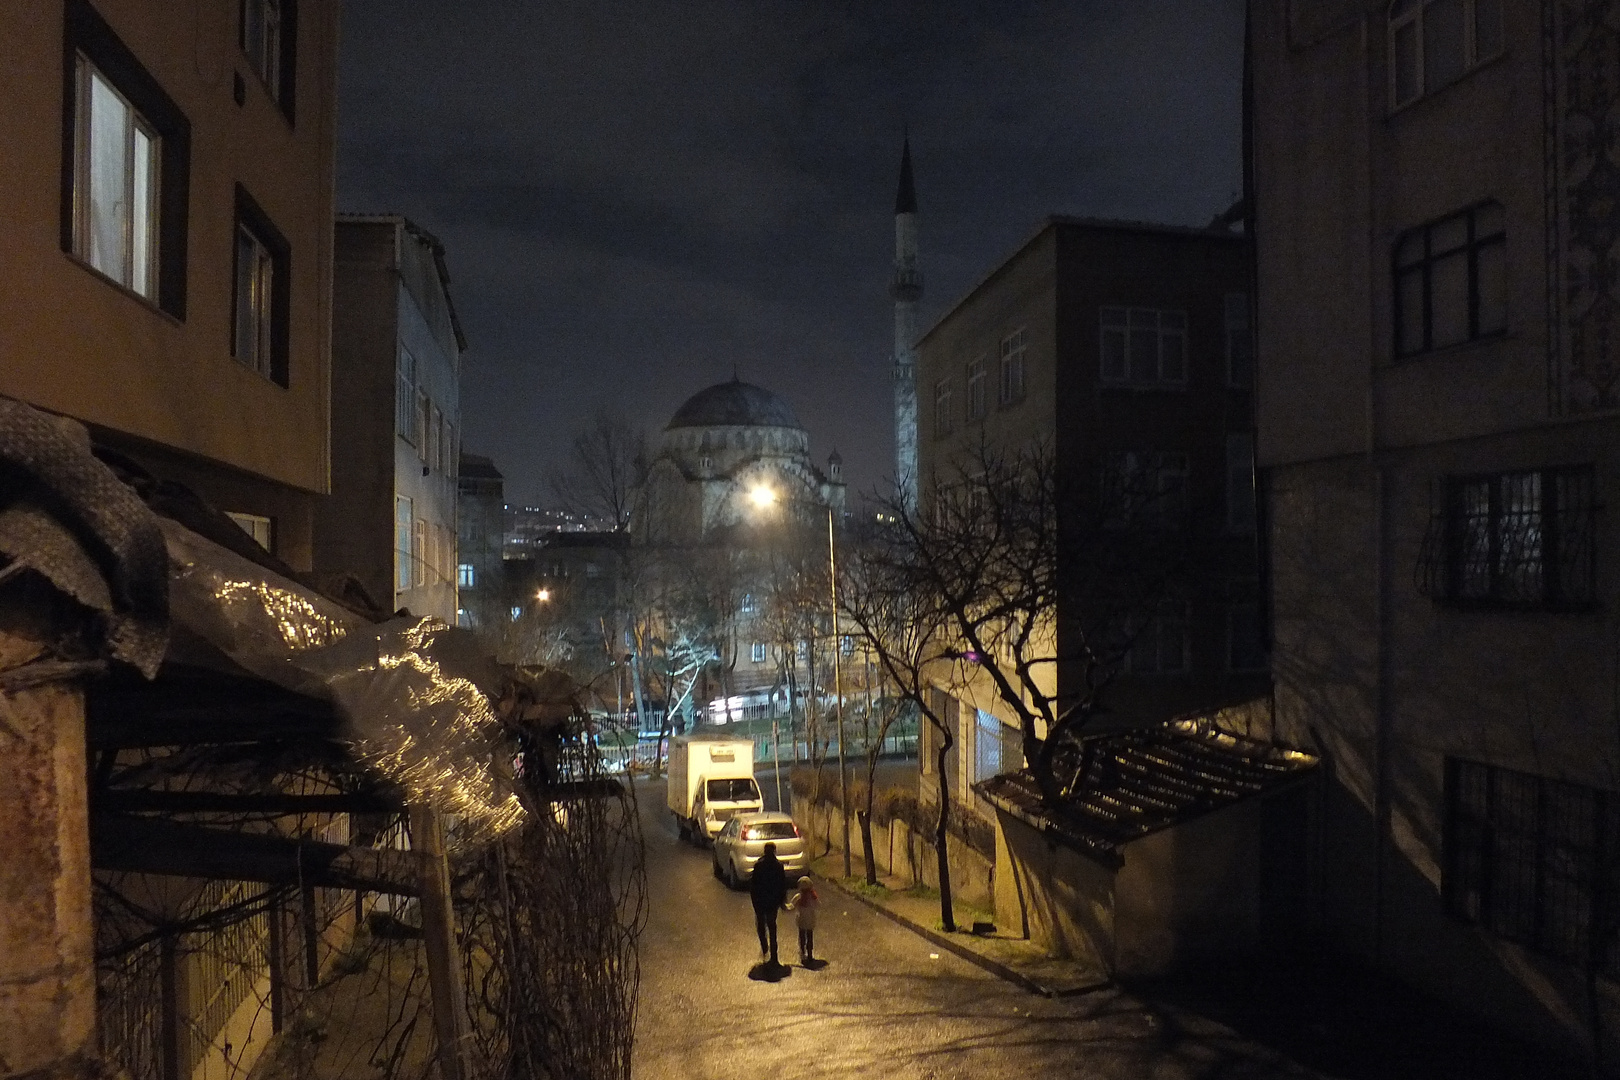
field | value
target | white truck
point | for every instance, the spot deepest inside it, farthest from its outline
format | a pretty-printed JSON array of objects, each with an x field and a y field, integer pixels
[{"x": 711, "y": 779}]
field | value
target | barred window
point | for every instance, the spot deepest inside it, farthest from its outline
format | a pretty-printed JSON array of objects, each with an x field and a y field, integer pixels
[
  {"x": 1522, "y": 539},
  {"x": 1525, "y": 857},
  {"x": 997, "y": 747}
]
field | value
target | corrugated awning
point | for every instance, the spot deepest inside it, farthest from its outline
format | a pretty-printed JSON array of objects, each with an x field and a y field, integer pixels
[{"x": 1150, "y": 779}]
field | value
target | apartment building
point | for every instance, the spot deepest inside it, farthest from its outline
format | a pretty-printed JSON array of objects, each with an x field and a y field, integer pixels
[
  {"x": 166, "y": 198},
  {"x": 1124, "y": 347},
  {"x": 396, "y": 369},
  {"x": 1438, "y": 436}
]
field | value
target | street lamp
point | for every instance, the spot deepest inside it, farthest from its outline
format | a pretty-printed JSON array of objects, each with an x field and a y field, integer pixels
[
  {"x": 543, "y": 595},
  {"x": 762, "y": 495}
]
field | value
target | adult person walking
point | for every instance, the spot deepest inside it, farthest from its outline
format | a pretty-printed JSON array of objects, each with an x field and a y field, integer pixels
[{"x": 768, "y": 890}]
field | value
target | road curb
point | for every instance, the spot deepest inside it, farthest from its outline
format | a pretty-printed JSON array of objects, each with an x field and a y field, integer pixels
[{"x": 994, "y": 967}]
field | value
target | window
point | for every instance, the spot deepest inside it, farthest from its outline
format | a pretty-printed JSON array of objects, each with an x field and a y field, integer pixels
[
  {"x": 1433, "y": 43},
  {"x": 1144, "y": 347},
  {"x": 1245, "y": 635},
  {"x": 944, "y": 393},
  {"x": 997, "y": 748},
  {"x": 259, "y": 340},
  {"x": 1144, "y": 489},
  {"x": 517, "y": 612},
  {"x": 1519, "y": 539},
  {"x": 747, "y": 604},
  {"x": 1451, "y": 281},
  {"x": 1160, "y": 645},
  {"x": 405, "y": 395},
  {"x": 1533, "y": 860},
  {"x": 846, "y": 644},
  {"x": 1012, "y": 367},
  {"x": 255, "y": 525},
  {"x": 757, "y": 652},
  {"x": 1240, "y": 504},
  {"x": 403, "y": 516},
  {"x": 977, "y": 377},
  {"x": 465, "y": 577},
  {"x": 119, "y": 161},
  {"x": 126, "y": 153},
  {"x": 419, "y": 539},
  {"x": 268, "y": 34},
  {"x": 435, "y": 436},
  {"x": 1239, "y": 342}
]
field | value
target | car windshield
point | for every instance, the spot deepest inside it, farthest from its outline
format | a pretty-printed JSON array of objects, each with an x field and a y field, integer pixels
[
  {"x": 771, "y": 830},
  {"x": 734, "y": 790}
]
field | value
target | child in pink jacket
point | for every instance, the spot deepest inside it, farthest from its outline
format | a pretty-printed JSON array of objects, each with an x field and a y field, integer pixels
[{"x": 804, "y": 904}]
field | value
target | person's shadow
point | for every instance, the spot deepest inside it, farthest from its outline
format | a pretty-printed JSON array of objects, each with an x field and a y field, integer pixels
[{"x": 765, "y": 971}]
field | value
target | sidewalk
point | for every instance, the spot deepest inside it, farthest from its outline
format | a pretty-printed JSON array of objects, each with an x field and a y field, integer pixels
[{"x": 1000, "y": 953}]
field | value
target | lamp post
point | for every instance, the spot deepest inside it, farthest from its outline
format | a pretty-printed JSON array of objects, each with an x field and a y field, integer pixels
[{"x": 762, "y": 497}]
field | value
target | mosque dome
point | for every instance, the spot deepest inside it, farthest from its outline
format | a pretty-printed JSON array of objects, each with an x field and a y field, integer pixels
[{"x": 733, "y": 404}]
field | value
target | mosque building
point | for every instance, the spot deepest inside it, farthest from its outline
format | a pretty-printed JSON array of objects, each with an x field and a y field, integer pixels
[{"x": 721, "y": 453}]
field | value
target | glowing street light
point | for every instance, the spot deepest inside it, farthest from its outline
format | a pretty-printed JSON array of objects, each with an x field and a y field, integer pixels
[
  {"x": 762, "y": 496},
  {"x": 543, "y": 595}
]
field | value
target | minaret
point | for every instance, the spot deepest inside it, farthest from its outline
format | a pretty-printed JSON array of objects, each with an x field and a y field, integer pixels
[{"x": 906, "y": 289}]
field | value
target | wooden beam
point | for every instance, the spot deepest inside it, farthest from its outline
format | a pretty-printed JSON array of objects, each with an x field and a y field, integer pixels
[
  {"x": 128, "y": 800},
  {"x": 156, "y": 846}
]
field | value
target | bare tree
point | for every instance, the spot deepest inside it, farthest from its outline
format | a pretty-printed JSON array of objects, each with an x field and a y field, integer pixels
[
  {"x": 604, "y": 467},
  {"x": 994, "y": 540},
  {"x": 913, "y": 639}
]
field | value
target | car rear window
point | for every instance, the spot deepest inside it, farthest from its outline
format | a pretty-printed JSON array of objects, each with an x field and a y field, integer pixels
[
  {"x": 771, "y": 830},
  {"x": 740, "y": 789}
]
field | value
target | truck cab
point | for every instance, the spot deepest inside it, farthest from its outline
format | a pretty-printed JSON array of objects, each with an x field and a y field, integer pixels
[{"x": 721, "y": 800}]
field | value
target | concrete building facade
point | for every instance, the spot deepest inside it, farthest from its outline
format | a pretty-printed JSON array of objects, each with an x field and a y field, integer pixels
[
  {"x": 167, "y": 203},
  {"x": 1125, "y": 348},
  {"x": 1438, "y": 435},
  {"x": 396, "y": 411}
]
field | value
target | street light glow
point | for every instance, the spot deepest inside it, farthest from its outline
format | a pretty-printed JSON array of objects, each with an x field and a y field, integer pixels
[
  {"x": 543, "y": 595},
  {"x": 762, "y": 495}
]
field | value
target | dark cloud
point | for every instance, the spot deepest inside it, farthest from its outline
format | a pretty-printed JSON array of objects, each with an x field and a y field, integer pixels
[{"x": 637, "y": 196}]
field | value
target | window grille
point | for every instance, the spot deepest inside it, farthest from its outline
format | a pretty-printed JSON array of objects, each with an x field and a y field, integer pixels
[
  {"x": 1515, "y": 539},
  {"x": 1534, "y": 860}
]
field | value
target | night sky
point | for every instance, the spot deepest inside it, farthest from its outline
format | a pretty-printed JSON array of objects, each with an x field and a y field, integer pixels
[{"x": 637, "y": 197}]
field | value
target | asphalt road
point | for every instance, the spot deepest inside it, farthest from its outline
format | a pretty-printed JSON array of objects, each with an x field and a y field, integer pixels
[{"x": 888, "y": 1004}]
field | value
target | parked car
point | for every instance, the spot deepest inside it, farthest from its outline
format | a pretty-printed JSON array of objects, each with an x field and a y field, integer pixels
[{"x": 738, "y": 846}]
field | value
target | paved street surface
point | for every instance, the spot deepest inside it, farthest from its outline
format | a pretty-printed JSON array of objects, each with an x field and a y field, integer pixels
[{"x": 886, "y": 1005}]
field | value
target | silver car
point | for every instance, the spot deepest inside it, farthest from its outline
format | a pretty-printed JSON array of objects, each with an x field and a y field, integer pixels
[{"x": 740, "y": 844}]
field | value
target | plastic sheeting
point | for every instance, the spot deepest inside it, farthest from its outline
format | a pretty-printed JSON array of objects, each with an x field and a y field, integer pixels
[{"x": 415, "y": 694}]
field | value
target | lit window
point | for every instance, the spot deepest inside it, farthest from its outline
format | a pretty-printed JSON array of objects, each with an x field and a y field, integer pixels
[
  {"x": 403, "y": 516},
  {"x": 517, "y": 612},
  {"x": 255, "y": 525},
  {"x": 117, "y": 169},
  {"x": 465, "y": 576},
  {"x": 419, "y": 542},
  {"x": 757, "y": 652},
  {"x": 1239, "y": 342},
  {"x": 260, "y": 336},
  {"x": 1144, "y": 347},
  {"x": 463, "y": 618},
  {"x": 269, "y": 39},
  {"x": 1519, "y": 539},
  {"x": 1012, "y": 367},
  {"x": 1451, "y": 281},
  {"x": 1433, "y": 43}
]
